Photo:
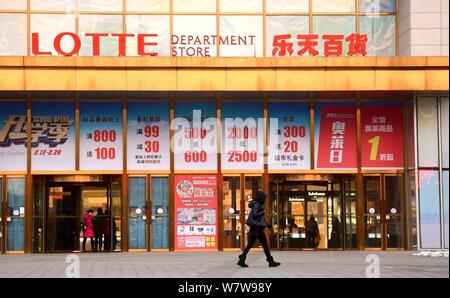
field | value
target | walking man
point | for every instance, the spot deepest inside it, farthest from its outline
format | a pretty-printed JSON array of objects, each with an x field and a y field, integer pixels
[{"x": 257, "y": 224}]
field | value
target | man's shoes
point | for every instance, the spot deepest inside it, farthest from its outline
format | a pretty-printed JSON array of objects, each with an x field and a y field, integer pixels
[
  {"x": 242, "y": 262},
  {"x": 272, "y": 263}
]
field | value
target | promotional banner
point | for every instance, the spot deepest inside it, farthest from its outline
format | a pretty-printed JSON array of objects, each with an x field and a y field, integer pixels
[
  {"x": 53, "y": 136},
  {"x": 13, "y": 136},
  {"x": 148, "y": 136},
  {"x": 242, "y": 136},
  {"x": 289, "y": 136},
  {"x": 196, "y": 212},
  {"x": 195, "y": 136},
  {"x": 382, "y": 137},
  {"x": 101, "y": 140},
  {"x": 335, "y": 136}
]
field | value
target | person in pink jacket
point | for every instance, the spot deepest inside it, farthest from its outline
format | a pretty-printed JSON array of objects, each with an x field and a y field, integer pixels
[{"x": 88, "y": 228}]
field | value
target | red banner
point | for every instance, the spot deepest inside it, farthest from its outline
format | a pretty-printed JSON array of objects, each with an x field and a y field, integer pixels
[
  {"x": 382, "y": 137},
  {"x": 196, "y": 212},
  {"x": 337, "y": 138}
]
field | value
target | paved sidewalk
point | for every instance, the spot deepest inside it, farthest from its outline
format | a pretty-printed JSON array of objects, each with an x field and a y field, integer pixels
[{"x": 307, "y": 264}]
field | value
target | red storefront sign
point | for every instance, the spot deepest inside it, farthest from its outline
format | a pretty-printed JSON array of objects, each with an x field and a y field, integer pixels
[
  {"x": 382, "y": 137},
  {"x": 337, "y": 138},
  {"x": 196, "y": 212}
]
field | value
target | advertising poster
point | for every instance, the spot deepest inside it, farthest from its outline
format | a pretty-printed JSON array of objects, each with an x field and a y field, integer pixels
[
  {"x": 148, "y": 136},
  {"x": 335, "y": 136},
  {"x": 242, "y": 136},
  {"x": 53, "y": 136},
  {"x": 101, "y": 140},
  {"x": 196, "y": 212},
  {"x": 289, "y": 136},
  {"x": 195, "y": 136},
  {"x": 382, "y": 137},
  {"x": 13, "y": 136}
]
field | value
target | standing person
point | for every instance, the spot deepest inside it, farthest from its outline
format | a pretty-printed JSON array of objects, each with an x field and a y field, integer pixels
[
  {"x": 88, "y": 228},
  {"x": 335, "y": 239},
  {"x": 312, "y": 231},
  {"x": 257, "y": 224},
  {"x": 98, "y": 229}
]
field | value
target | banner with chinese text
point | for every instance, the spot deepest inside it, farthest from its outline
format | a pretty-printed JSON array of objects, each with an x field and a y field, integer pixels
[
  {"x": 101, "y": 140},
  {"x": 195, "y": 136},
  {"x": 289, "y": 138},
  {"x": 148, "y": 136},
  {"x": 196, "y": 212},
  {"x": 13, "y": 136},
  {"x": 242, "y": 136},
  {"x": 382, "y": 137},
  {"x": 335, "y": 136},
  {"x": 53, "y": 136}
]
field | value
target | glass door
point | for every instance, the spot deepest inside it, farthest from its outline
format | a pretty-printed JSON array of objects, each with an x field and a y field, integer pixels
[
  {"x": 137, "y": 227},
  {"x": 252, "y": 184},
  {"x": 15, "y": 227},
  {"x": 393, "y": 186},
  {"x": 63, "y": 231},
  {"x": 232, "y": 227},
  {"x": 384, "y": 211},
  {"x": 160, "y": 213},
  {"x": 373, "y": 213},
  {"x": 317, "y": 213}
]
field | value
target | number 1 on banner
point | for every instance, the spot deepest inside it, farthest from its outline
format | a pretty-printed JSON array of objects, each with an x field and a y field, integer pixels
[{"x": 375, "y": 142}]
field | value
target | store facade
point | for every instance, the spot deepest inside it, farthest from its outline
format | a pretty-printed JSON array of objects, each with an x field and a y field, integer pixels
[{"x": 307, "y": 101}]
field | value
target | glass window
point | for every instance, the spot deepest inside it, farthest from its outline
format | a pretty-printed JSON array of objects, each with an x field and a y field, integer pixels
[
  {"x": 428, "y": 132},
  {"x": 374, "y": 6},
  {"x": 444, "y": 130},
  {"x": 13, "y": 34},
  {"x": 203, "y": 27},
  {"x": 381, "y": 33},
  {"x": 137, "y": 219},
  {"x": 281, "y": 25},
  {"x": 100, "y": 5},
  {"x": 50, "y": 25},
  {"x": 430, "y": 219},
  {"x": 342, "y": 25},
  {"x": 241, "y": 6},
  {"x": 334, "y": 6},
  {"x": 287, "y": 6},
  {"x": 248, "y": 27},
  {"x": 104, "y": 24},
  {"x": 148, "y": 5},
  {"x": 446, "y": 206},
  {"x": 63, "y": 5},
  {"x": 149, "y": 24},
  {"x": 16, "y": 212},
  {"x": 194, "y": 6},
  {"x": 13, "y": 5}
]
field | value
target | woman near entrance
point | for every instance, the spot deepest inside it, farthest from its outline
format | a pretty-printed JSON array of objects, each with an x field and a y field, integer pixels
[
  {"x": 312, "y": 232},
  {"x": 88, "y": 228}
]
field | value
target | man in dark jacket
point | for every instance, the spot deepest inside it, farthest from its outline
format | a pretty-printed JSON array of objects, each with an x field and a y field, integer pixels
[{"x": 257, "y": 224}]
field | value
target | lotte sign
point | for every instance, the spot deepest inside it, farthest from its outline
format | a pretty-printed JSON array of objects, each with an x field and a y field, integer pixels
[{"x": 200, "y": 46}]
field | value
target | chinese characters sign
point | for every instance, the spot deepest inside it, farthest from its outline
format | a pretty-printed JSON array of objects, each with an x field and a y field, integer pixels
[
  {"x": 336, "y": 148},
  {"x": 196, "y": 212},
  {"x": 13, "y": 136},
  {"x": 242, "y": 136},
  {"x": 382, "y": 137},
  {"x": 283, "y": 45},
  {"x": 195, "y": 136},
  {"x": 148, "y": 136},
  {"x": 101, "y": 140},
  {"x": 289, "y": 138},
  {"x": 53, "y": 136}
]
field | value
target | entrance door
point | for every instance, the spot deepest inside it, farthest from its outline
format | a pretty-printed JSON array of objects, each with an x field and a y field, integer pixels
[
  {"x": 67, "y": 203},
  {"x": 384, "y": 211}
]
